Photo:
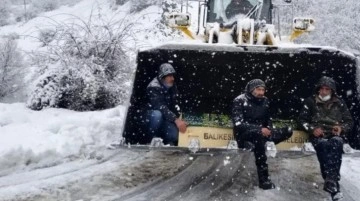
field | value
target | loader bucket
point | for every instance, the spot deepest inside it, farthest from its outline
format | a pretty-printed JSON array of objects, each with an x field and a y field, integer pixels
[{"x": 209, "y": 77}]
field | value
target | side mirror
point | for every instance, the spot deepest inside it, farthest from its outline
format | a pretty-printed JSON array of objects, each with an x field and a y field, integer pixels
[
  {"x": 178, "y": 20},
  {"x": 303, "y": 24}
]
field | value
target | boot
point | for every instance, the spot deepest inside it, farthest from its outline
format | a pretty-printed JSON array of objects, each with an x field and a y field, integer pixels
[
  {"x": 330, "y": 186},
  {"x": 266, "y": 184},
  {"x": 264, "y": 181},
  {"x": 337, "y": 196}
]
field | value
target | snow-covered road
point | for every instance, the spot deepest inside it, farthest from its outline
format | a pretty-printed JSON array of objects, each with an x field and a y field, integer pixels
[
  {"x": 125, "y": 174},
  {"x": 117, "y": 172}
]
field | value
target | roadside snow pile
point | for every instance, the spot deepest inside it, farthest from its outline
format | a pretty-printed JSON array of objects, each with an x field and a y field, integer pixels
[{"x": 35, "y": 139}]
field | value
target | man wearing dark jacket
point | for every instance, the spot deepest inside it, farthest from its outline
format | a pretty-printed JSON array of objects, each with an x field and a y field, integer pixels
[
  {"x": 163, "y": 114},
  {"x": 327, "y": 120},
  {"x": 252, "y": 123}
]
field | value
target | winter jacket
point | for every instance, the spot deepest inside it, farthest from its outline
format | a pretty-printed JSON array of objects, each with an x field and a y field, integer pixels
[
  {"x": 162, "y": 99},
  {"x": 325, "y": 115},
  {"x": 250, "y": 113}
]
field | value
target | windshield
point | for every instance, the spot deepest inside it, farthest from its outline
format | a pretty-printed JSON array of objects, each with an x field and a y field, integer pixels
[{"x": 227, "y": 11}]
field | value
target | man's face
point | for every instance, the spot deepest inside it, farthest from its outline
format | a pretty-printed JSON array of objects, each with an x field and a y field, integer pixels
[
  {"x": 259, "y": 92},
  {"x": 325, "y": 91},
  {"x": 169, "y": 80}
]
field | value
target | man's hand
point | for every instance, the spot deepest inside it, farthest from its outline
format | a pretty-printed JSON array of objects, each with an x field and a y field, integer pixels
[
  {"x": 181, "y": 125},
  {"x": 265, "y": 132},
  {"x": 318, "y": 132},
  {"x": 336, "y": 130}
]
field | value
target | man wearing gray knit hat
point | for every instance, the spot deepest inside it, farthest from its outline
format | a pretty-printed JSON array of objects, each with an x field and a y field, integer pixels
[
  {"x": 163, "y": 115},
  {"x": 252, "y": 123},
  {"x": 254, "y": 84}
]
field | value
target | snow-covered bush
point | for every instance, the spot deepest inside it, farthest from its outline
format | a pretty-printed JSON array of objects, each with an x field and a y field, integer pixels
[
  {"x": 28, "y": 15},
  {"x": 11, "y": 67},
  {"x": 46, "y": 36},
  {"x": 45, "y": 5},
  {"x": 139, "y": 5},
  {"x": 120, "y": 2},
  {"x": 34, "y": 8},
  {"x": 4, "y": 12},
  {"x": 46, "y": 94},
  {"x": 90, "y": 69},
  {"x": 24, "y": 11}
]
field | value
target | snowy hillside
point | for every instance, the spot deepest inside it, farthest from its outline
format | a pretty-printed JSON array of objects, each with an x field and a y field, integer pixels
[{"x": 65, "y": 55}]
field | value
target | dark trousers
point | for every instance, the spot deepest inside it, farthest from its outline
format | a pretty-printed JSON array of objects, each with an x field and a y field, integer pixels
[
  {"x": 159, "y": 127},
  {"x": 256, "y": 138},
  {"x": 329, "y": 153}
]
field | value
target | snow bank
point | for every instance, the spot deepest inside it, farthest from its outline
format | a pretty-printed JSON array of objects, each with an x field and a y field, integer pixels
[{"x": 51, "y": 136}]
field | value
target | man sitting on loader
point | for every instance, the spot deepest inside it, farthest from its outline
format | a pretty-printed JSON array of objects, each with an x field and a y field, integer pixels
[
  {"x": 163, "y": 116},
  {"x": 252, "y": 124},
  {"x": 327, "y": 120}
]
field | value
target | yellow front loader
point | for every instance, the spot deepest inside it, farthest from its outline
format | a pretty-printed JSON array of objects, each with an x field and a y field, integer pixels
[{"x": 230, "y": 47}]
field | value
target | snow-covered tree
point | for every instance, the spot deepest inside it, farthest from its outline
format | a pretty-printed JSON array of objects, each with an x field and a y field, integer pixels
[
  {"x": 11, "y": 67},
  {"x": 90, "y": 69}
]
